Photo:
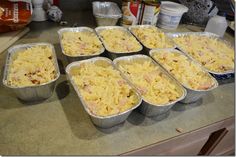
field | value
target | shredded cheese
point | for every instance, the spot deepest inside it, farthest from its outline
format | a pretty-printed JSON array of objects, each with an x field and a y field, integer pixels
[
  {"x": 211, "y": 53},
  {"x": 103, "y": 89},
  {"x": 80, "y": 43},
  {"x": 32, "y": 66},
  {"x": 152, "y": 38},
  {"x": 186, "y": 71},
  {"x": 153, "y": 84},
  {"x": 119, "y": 41}
]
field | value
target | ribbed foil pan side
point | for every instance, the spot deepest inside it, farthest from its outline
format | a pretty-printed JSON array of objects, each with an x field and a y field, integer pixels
[
  {"x": 78, "y": 57},
  {"x": 146, "y": 48},
  {"x": 36, "y": 92},
  {"x": 112, "y": 54},
  {"x": 192, "y": 94},
  {"x": 101, "y": 121},
  {"x": 217, "y": 75},
  {"x": 147, "y": 108}
]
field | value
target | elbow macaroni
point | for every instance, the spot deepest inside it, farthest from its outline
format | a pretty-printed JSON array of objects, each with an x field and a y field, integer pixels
[
  {"x": 187, "y": 72},
  {"x": 80, "y": 43},
  {"x": 32, "y": 66},
  {"x": 119, "y": 41},
  {"x": 211, "y": 53},
  {"x": 103, "y": 89},
  {"x": 152, "y": 38},
  {"x": 153, "y": 85}
]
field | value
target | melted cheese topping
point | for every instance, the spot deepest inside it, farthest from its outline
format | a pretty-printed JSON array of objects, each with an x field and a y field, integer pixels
[
  {"x": 80, "y": 43},
  {"x": 152, "y": 38},
  {"x": 184, "y": 70},
  {"x": 119, "y": 41},
  {"x": 211, "y": 53},
  {"x": 103, "y": 89},
  {"x": 153, "y": 85},
  {"x": 32, "y": 66}
]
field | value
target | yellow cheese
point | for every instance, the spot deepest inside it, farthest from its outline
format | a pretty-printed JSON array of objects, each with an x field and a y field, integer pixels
[
  {"x": 80, "y": 43},
  {"x": 211, "y": 53},
  {"x": 154, "y": 86},
  {"x": 152, "y": 38},
  {"x": 103, "y": 89},
  {"x": 120, "y": 41},
  {"x": 32, "y": 66},
  {"x": 187, "y": 72}
]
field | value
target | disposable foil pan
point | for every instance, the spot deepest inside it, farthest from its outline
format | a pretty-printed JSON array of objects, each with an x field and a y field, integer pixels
[
  {"x": 147, "y": 108},
  {"x": 101, "y": 121},
  {"x": 146, "y": 48},
  {"x": 111, "y": 53},
  {"x": 106, "y": 13},
  {"x": 192, "y": 94},
  {"x": 36, "y": 92},
  {"x": 78, "y": 57},
  {"x": 217, "y": 75}
]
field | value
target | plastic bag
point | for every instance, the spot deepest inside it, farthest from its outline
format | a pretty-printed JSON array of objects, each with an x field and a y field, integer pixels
[
  {"x": 200, "y": 11},
  {"x": 14, "y": 15}
]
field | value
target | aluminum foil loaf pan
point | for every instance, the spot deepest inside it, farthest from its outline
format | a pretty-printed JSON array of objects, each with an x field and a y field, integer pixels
[
  {"x": 114, "y": 54},
  {"x": 147, "y": 108},
  {"x": 147, "y": 48},
  {"x": 78, "y": 57},
  {"x": 36, "y": 92},
  {"x": 192, "y": 94},
  {"x": 217, "y": 75},
  {"x": 100, "y": 121},
  {"x": 106, "y": 13}
]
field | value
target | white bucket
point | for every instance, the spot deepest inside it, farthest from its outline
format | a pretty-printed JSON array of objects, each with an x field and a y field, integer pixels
[{"x": 170, "y": 15}]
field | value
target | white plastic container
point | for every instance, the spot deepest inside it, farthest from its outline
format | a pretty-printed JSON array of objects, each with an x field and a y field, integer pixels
[
  {"x": 170, "y": 15},
  {"x": 217, "y": 25},
  {"x": 106, "y": 13},
  {"x": 39, "y": 14}
]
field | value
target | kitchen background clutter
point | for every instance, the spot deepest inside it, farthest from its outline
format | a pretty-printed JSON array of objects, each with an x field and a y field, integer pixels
[
  {"x": 136, "y": 12},
  {"x": 150, "y": 10},
  {"x": 217, "y": 24},
  {"x": 161, "y": 13},
  {"x": 140, "y": 12},
  {"x": 171, "y": 14},
  {"x": 106, "y": 13},
  {"x": 199, "y": 11},
  {"x": 131, "y": 12}
]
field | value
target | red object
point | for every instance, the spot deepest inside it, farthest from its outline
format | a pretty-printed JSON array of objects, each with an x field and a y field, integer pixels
[
  {"x": 14, "y": 15},
  {"x": 56, "y": 2},
  {"x": 134, "y": 6}
]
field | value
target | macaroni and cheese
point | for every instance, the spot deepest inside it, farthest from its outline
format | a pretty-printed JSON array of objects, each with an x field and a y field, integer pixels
[
  {"x": 119, "y": 41},
  {"x": 32, "y": 66},
  {"x": 80, "y": 43},
  {"x": 211, "y": 53},
  {"x": 153, "y": 84},
  {"x": 152, "y": 38},
  {"x": 103, "y": 89},
  {"x": 187, "y": 72}
]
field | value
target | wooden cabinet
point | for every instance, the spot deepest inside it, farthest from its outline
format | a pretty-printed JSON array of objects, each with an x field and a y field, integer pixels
[
  {"x": 226, "y": 145},
  {"x": 214, "y": 139}
]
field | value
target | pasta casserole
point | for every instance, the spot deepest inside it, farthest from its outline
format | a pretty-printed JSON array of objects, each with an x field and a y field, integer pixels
[
  {"x": 31, "y": 66},
  {"x": 186, "y": 71},
  {"x": 80, "y": 43},
  {"x": 103, "y": 89},
  {"x": 150, "y": 81},
  {"x": 211, "y": 53},
  {"x": 152, "y": 38},
  {"x": 119, "y": 41}
]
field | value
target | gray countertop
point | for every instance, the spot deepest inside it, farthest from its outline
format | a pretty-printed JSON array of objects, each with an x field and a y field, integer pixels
[{"x": 60, "y": 125}]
